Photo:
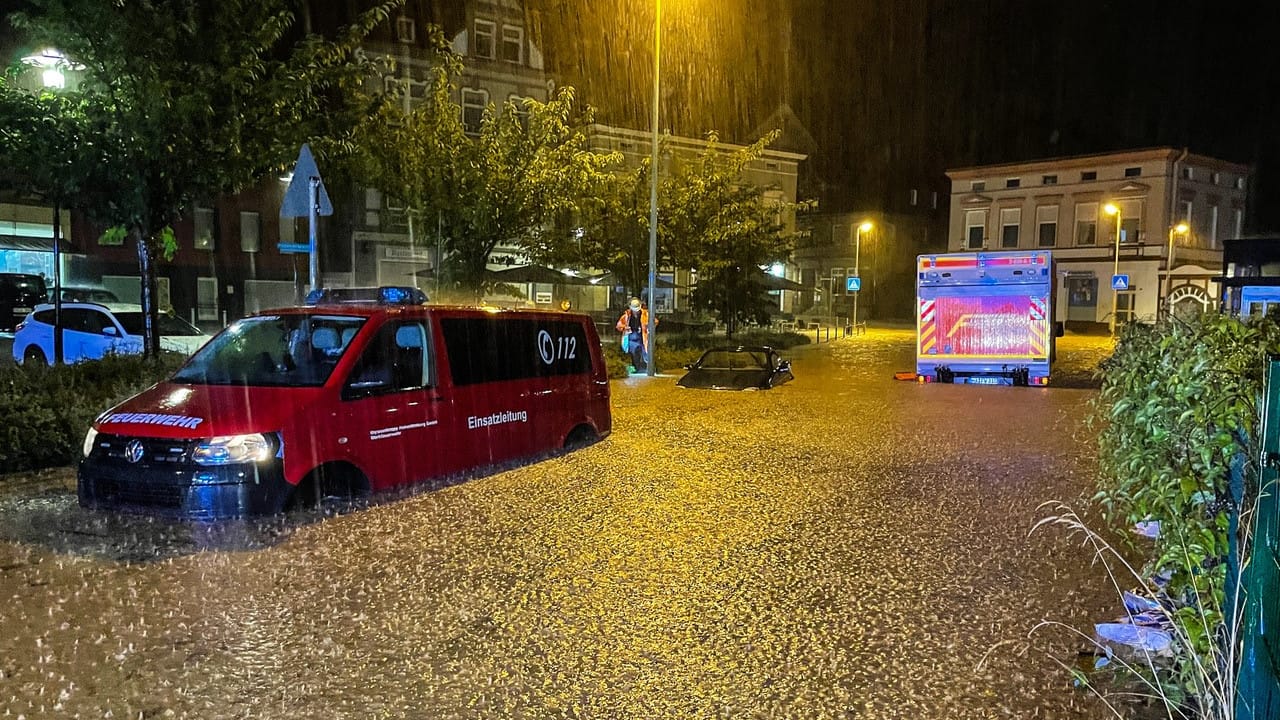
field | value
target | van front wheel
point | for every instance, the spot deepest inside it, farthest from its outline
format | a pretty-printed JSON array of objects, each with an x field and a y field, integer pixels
[{"x": 328, "y": 483}]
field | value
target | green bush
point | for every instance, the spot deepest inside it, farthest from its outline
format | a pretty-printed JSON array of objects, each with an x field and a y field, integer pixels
[
  {"x": 1179, "y": 402},
  {"x": 47, "y": 410}
]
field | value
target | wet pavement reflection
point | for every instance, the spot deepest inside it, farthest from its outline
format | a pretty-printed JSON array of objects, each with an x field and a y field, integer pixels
[{"x": 843, "y": 546}]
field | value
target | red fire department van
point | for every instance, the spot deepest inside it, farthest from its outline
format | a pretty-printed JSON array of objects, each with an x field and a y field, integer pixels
[{"x": 342, "y": 398}]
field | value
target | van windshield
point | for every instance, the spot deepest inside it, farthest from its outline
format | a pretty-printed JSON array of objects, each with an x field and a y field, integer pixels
[{"x": 282, "y": 351}]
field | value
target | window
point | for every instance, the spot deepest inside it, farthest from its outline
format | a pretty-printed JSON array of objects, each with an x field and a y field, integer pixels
[
  {"x": 513, "y": 44},
  {"x": 1216, "y": 178},
  {"x": 977, "y": 186},
  {"x": 520, "y": 106},
  {"x": 288, "y": 230},
  {"x": 1188, "y": 173},
  {"x": 1010, "y": 221},
  {"x": 397, "y": 359},
  {"x": 1087, "y": 223},
  {"x": 1047, "y": 225},
  {"x": 1239, "y": 222},
  {"x": 405, "y": 30},
  {"x": 1049, "y": 180},
  {"x": 1186, "y": 211},
  {"x": 250, "y": 232},
  {"x": 203, "y": 221},
  {"x": 1239, "y": 183},
  {"x": 1013, "y": 182},
  {"x": 206, "y": 298},
  {"x": 473, "y": 104},
  {"x": 1133, "y": 172},
  {"x": 837, "y": 281},
  {"x": 915, "y": 197},
  {"x": 975, "y": 229},
  {"x": 291, "y": 350},
  {"x": 933, "y": 200},
  {"x": 485, "y": 350},
  {"x": 1213, "y": 226},
  {"x": 1130, "y": 222},
  {"x": 1088, "y": 176},
  {"x": 483, "y": 46},
  {"x": 372, "y": 207}
]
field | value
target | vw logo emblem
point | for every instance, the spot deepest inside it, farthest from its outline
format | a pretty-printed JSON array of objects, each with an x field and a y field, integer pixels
[{"x": 133, "y": 451}]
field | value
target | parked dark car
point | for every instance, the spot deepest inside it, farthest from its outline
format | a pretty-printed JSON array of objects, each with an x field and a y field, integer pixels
[
  {"x": 19, "y": 294},
  {"x": 79, "y": 293},
  {"x": 738, "y": 368}
]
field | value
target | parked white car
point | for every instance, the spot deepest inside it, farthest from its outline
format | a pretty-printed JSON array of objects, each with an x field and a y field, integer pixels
[{"x": 92, "y": 330}]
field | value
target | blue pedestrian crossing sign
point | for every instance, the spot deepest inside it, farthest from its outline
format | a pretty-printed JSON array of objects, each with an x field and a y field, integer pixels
[
  {"x": 1119, "y": 282},
  {"x": 853, "y": 284}
]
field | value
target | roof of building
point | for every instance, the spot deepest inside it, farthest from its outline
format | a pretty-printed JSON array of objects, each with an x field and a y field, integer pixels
[{"x": 1118, "y": 157}]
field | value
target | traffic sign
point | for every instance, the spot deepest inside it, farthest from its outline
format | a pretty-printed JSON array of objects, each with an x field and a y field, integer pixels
[
  {"x": 297, "y": 198},
  {"x": 853, "y": 284},
  {"x": 1119, "y": 282}
]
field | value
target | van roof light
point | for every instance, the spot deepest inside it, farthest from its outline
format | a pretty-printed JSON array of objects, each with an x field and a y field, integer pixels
[{"x": 386, "y": 295}]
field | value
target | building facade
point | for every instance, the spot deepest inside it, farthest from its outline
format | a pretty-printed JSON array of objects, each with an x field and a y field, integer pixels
[{"x": 1066, "y": 205}]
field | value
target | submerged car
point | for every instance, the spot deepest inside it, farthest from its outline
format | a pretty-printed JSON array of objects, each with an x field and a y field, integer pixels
[{"x": 738, "y": 368}]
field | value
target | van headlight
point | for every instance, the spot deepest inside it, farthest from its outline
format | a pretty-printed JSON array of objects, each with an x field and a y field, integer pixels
[
  {"x": 233, "y": 449},
  {"x": 89, "y": 437}
]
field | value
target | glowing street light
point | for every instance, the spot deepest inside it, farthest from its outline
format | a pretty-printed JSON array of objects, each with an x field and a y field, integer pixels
[
  {"x": 1182, "y": 229},
  {"x": 1114, "y": 209},
  {"x": 865, "y": 227},
  {"x": 52, "y": 63}
]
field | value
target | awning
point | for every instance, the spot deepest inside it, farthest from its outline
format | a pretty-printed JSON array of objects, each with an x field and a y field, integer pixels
[
  {"x": 773, "y": 282},
  {"x": 536, "y": 274}
]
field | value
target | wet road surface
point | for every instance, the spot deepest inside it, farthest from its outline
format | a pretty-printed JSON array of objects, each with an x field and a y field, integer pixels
[{"x": 845, "y": 546}]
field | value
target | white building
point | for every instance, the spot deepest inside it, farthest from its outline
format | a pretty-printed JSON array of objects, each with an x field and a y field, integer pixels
[{"x": 1062, "y": 204}]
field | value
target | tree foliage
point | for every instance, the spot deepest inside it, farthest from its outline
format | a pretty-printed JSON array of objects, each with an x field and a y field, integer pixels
[
  {"x": 507, "y": 184},
  {"x": 710, "y": 219},
  {"x": 183, "y": 100},
  {"x": 1179, "y": 405}
]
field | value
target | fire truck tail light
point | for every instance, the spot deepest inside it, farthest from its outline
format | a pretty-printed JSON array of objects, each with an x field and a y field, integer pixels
[{"x": 233, "y": 449}]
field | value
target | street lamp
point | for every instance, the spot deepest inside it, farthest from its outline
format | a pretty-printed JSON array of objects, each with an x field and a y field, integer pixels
[
  {"x": 1113, "y": 209},
  {"x": 865, "y": 227},
  {"x": 1180, "y": 229},
  {"x": 52, "y": 62},
  {"x": 653, "y": 192}
]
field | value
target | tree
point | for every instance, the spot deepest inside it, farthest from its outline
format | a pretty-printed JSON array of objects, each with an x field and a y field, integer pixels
[
  {"x": 710, "y": 219},
  {"x": 526, "y": 167},
  {"x": 188, "y": 99}
]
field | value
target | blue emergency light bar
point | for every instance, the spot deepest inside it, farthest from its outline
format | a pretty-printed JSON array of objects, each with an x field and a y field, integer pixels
[{"x": 386, "y": 295}]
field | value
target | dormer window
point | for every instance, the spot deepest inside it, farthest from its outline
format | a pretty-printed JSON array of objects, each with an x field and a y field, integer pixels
[
  {"x": 513, "y": 44},
  {"x": 486, "y": 32}
]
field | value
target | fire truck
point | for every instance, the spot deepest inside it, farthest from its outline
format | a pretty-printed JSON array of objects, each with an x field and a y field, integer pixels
[{"x": 985, "y": 317}]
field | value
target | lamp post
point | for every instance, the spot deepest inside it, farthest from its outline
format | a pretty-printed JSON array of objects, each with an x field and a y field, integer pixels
[
  {"x": 52, "y": 63},
  {"x": 866, "y": 226},
  {"x": 1179, "y": 229},
  {"x": 653, "y": 192},
  {"x": 1113, "y": 209}
]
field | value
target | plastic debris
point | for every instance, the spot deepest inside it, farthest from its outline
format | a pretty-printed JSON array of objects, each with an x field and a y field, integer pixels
[
  {"x": 1147, "y": 529},
  {"x": 1139, "y": 637},
  {"x": 1135, "y": 603},
  {"x": 910, "y": 376}
]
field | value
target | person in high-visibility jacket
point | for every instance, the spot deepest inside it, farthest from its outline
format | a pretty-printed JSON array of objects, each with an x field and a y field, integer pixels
[{"x": 634, "y": 326}]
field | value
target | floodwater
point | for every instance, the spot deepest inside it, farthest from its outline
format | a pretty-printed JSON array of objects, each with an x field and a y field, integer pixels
[{"x": 844, "y": 546}]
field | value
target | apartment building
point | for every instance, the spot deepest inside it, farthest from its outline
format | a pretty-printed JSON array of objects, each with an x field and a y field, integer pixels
[{"x": 1093, "y": 210}]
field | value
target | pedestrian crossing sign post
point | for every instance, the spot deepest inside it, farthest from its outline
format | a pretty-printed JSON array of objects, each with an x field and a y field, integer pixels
[
  {"x": 1119, "y": 282},
  {"x": 853, "y": 284}
]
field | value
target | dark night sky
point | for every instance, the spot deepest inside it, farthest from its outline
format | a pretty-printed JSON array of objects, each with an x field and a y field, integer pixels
[{"x": 897, "y": 91}]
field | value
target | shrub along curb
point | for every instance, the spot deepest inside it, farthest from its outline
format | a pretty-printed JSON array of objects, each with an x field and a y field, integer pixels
[{"x": 45, "y": 411}]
